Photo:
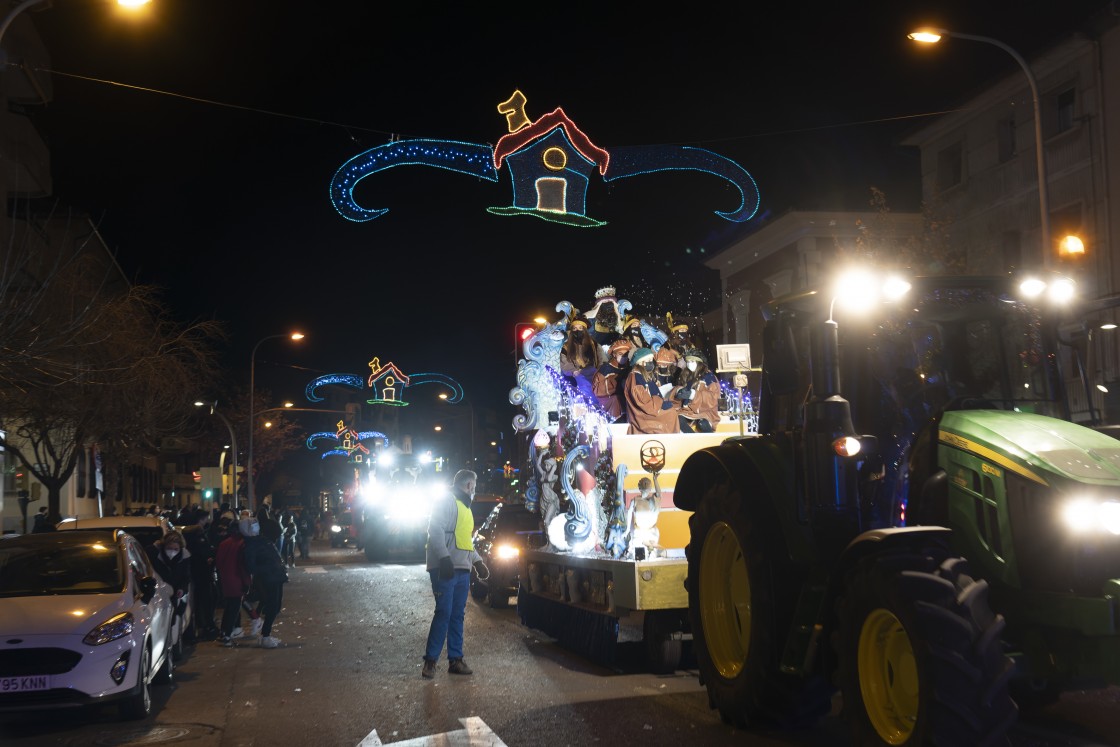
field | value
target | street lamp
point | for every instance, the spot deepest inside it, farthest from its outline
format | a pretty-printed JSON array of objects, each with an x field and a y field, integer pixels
[
  {"x": 31, "y": 3},
  {"x": 233, "y": 444},
  {"x": 932, "y": 36},
  {"x": 252, "y": 388}
]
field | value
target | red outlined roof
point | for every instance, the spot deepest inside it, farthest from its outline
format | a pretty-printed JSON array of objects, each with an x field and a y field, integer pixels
[{"x": 515, "y": 141}]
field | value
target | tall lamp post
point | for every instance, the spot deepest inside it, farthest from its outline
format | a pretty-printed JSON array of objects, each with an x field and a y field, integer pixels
[
  {"x": 232, "y": 440},
  {"x": 252, "y": 395},
  {"x": 932, "y": 36}
]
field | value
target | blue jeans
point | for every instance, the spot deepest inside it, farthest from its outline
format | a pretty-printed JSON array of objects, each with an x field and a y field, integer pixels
[{"x": 451, "y": 609}]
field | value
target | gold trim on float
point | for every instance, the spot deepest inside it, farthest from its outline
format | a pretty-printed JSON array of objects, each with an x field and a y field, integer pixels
[{"x": 984, "y": 452}]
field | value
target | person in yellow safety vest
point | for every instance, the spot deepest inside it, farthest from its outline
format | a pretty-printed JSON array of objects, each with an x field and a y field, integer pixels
[{"x": 450, "y": 555}]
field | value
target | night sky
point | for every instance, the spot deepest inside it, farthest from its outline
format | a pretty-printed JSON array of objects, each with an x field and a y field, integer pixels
[{"x": 208, "y": 170}]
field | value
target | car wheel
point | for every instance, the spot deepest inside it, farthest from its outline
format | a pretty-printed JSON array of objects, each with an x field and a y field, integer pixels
[{"x": 138, "y": 705}]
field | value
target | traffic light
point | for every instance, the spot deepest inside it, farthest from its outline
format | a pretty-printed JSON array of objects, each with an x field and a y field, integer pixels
[
  {"x": 23, "y": 483},
  {"x": 522, "y": 331}
]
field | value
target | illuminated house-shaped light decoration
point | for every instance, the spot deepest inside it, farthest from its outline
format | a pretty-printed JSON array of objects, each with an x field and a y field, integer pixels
[
  {"x": 386, "y": 383},
  {"x": 551, "y": 162}
]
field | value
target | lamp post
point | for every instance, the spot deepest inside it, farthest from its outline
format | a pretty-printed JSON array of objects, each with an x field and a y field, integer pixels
[
  {"x": 233, "y": 444},
  {"x": 252, "y": 395},
  {"x": 932, "y": 36}
]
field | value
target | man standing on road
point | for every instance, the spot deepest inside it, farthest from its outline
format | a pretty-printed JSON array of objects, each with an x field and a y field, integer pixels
[{"x": 450, "y": 555}]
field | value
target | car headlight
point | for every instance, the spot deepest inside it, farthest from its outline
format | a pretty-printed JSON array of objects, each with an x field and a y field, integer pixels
[
  {"x": 110, "y": 630},
  {"x": 1086, "y": 515},
  {"x": 336, "y": 528},
  {"x": 506, "y": 552}
]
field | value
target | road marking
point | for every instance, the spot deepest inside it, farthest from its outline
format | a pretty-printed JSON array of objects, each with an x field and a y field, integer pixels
[
  {"x": 313, "y": 569},
  {"x": 475, "y": 733}
]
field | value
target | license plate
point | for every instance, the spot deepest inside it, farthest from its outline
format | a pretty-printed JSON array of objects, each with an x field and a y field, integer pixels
[{"x": 26, "y": 684}]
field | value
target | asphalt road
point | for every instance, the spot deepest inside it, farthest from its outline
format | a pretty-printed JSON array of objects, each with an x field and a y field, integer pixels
[{"x": 348, "y": 673}]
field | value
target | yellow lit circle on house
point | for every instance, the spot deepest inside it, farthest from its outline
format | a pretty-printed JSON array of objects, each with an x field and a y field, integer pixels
[
  {"x": 554, "y": 159},
  {"x": 389, "y": 381}
]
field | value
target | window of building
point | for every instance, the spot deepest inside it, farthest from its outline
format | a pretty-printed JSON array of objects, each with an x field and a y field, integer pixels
[
  {"x": 950, "y": 167},
  {"x": 1064, "y": 103},
  {"x": 1005, "y": 134}
]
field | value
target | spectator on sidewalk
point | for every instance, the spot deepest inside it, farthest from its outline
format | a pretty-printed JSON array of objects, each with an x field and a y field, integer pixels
[
  {"x": 265, "y": 564},
  {"x": 234, "y": 579}
]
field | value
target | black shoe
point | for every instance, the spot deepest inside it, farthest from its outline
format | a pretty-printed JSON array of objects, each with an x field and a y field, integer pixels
[
  {"x": 429, "y": 670},
  {"x": 458, "y": 666}
]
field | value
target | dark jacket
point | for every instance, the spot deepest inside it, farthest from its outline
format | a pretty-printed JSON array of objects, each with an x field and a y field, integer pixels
[
  {"x": 263, "y": 561},
  {"x": 175, "y": 571},
  {"x": 202, "y": 552}
]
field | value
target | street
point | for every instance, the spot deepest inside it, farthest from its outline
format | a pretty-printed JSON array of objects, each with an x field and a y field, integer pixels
[{"x": 348, "y": 673}]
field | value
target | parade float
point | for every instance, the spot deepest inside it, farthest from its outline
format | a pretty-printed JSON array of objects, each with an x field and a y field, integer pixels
[{"x": 613, "y": 568}]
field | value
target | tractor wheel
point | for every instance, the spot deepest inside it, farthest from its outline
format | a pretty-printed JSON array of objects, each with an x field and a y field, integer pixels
[
  {"x": 919, "y": 652},
  {"x": 740, "y": 605}
]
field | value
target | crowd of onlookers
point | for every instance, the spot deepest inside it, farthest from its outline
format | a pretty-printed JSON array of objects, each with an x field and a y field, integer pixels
[{"x": 238, "y": 563}]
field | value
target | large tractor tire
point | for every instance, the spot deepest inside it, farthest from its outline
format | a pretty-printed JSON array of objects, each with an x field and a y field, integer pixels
[
  {"x": 740, "y": 605},
  {"x": 919, "y": 653}
]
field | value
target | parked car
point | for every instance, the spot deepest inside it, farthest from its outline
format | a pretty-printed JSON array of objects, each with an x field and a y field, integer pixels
[
  {"x": 509, "y": 529},
  {"x": 84, "y": 621},
  {"x": 146, "y": 529}
]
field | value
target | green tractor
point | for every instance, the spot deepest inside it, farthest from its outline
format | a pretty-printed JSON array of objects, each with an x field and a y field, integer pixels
[{"x": 932, "y": 543}]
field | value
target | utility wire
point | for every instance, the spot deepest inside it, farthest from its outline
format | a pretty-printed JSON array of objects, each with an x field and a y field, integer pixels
[{"x": 397, "y": 136}]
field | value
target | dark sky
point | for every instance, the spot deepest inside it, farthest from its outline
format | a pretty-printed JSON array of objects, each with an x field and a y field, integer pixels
[{"x": 227, "y": 206}]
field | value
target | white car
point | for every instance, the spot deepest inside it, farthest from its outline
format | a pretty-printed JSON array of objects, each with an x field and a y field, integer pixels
[
  {"x": 147, "y": 529},
  {"x": 84, "y": 621}
]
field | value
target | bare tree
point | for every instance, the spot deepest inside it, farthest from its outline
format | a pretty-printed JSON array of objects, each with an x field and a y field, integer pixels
[{"x": 93, "y": 366}]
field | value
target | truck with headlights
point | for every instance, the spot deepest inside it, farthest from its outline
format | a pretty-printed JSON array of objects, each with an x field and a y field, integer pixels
[
  {"x": 397, "y": 500},
  {"x": 917, "y": 522}
]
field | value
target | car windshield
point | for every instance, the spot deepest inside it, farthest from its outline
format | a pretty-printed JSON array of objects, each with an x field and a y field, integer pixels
[{"x": 38, "y": 570}]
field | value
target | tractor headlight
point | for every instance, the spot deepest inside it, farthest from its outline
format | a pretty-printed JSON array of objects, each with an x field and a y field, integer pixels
[
  {"x": 1086, "y": 515},
  {"x": 336, "y": 528},
  {"x": 506, "y": 552}
]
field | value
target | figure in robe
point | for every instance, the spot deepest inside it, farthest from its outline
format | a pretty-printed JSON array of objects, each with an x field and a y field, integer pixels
[
  {"x": 609, "y": 380},
  {"x": 698, "y": 394},
  {"x": 647, "y": 410}
]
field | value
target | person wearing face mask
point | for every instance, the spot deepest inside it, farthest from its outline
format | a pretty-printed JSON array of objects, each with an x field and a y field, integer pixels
[
  {"x": 172, "y": 561},
  {"x": 579, "y": 358},
  {"x": 698, "y": 394},
  {"x": 263, "y": 561},
  {"x": 647, "y": 409},
  {"x": 197, "y": 536},
  {"x": 608, "y": 380}
]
